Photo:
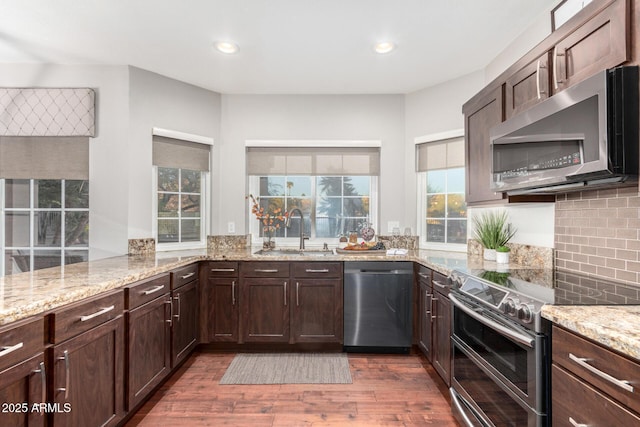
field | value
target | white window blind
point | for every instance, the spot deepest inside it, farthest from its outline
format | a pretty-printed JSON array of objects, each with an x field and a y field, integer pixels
[
  {"x": 444, "y": 154},
  {"x": 316, "y": 161},
  {"x": 175, "y": 153},
  {"x": 44, "y": 157}
]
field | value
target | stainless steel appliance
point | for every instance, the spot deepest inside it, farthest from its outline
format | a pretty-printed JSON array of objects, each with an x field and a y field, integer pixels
[
  {"x": 585, "y": 135},
  {"x": 501, "y": 344},
  {"x": 378, "y": 306}
]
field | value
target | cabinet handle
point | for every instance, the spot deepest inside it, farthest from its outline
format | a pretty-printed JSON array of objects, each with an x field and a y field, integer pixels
[
  {"x": 170, "y": 321},
  {"x": 538, "y": 91},
  {"x": 624, "y": 384},
  {"x": 297, "y": 293},
  {"x": 324, "y": 270},
  {"x": 11, "y": 349},
  {"x": 556, "y": 81},
  {"x": 233, "y": 293},
  {"x": 285, "y": 293},
  {"x": 97, "y": 313},
  {"x": 223, "y": 270},
  {"x": 186, "y": 276},
  {"x": 431, "y": 306},
  {"x": 439, "y": 284},
  {"x": 152, "y": 290},
  {"x": 177, "y": 298},
  {"x": 427, "y": 295},
  {"x": 43, "y": 380},
  {"x": 423, "y": 275},
  {"x": 67, "y": 363},
  {"x": 261, "y": 270},
  {"x": 574, "y": 423}
]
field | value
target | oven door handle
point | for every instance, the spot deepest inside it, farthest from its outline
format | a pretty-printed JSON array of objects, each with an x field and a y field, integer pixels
[
  {"x": 456, "y": 401},
  {"x": 521, "y": 338}
]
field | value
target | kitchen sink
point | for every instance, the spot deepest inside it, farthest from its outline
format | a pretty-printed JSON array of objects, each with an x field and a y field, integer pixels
[{"x": 293, "y": 252}]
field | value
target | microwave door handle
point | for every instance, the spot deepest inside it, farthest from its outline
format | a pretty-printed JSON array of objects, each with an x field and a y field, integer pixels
[
  {"x": 516, "y": 336},
  {"x": 538, "y": 91}
]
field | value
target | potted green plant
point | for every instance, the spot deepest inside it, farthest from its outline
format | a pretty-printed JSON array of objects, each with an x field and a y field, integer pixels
[
  {"x": 502, "y": 254},
  {"x": 492, "y": 230}
]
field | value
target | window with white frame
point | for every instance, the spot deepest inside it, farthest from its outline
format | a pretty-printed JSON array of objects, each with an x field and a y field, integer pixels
[
  {"x": 334, "y": 187},
  {"x": 181, "y": 168},
  {"x": 44, "y": 202},
  {"x": 443, "y": 210}
]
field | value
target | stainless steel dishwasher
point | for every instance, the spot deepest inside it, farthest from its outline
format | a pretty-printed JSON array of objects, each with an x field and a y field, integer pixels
[{"x": 378, "y": 306}]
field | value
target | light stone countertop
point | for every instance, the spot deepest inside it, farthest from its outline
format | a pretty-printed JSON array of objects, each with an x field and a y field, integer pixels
[{"x": 616, "y": 327}]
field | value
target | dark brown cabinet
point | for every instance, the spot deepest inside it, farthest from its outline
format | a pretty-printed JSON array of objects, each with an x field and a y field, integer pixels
[
  {"x": 592, "y": 385},
  {"x": 184, "y": 313},
  {"x": 265, "y": 301},
  {"x": 23, "y": 374},
  {"x": 441, "y": 327},
  {"x": 527, "y": 86},
  {"x": 600, "y": 43},
  {"x": 425, "y": 316},
  {"x": 222, "y": 301},
  {"x": 148, "y": 337},
  {"x": 316, "y": 302},
  {"x": 480, "y": 115},
  {"x": 88, "y": 362}
]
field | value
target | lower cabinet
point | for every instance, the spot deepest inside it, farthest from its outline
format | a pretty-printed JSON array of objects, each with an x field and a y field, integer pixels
[
  {"x": 441, "y": 353},
  {"x": 88, "y": 377},
  {"x": 184, "y": 313},
  {"x": 265, "y": 314},
  {"x": 425, "y": 307},
  {"x": 222, "y": 299}
]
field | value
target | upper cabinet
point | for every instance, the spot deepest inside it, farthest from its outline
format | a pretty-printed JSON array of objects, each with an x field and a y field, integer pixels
[{"x": 596, "y": 38}]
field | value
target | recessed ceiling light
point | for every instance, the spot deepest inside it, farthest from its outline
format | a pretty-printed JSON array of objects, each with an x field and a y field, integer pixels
[
  {"x": 384, "y": 47},
  {"x": 226, "y": 47}
]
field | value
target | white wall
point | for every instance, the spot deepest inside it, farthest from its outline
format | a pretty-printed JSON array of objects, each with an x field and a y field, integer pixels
[
  {"x": 108, "y": 154},
  {"x": 309, "y": 117},
  {"x": 158, "y": 101}
]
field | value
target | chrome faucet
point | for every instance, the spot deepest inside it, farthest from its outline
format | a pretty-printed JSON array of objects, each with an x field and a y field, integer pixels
[{"x": 288, "y": 225}]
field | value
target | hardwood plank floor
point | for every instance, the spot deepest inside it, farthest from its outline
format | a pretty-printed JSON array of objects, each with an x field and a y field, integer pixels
[{"x": 387, "y": 390}]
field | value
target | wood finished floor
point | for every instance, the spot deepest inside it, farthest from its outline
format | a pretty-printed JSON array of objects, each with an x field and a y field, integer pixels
[{"x": 387, "y": 390}]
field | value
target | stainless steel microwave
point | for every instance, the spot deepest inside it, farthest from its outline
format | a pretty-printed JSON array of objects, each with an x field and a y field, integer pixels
[{"x": 586, "y": 135}]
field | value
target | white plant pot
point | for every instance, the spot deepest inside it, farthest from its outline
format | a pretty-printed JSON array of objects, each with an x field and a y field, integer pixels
[
  {"x": 489, "y": 254},
  {"x": 502, "y": 257}
]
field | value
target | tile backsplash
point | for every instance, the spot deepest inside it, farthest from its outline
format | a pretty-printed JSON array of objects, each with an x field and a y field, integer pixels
[{"x": 597, "y": 232}]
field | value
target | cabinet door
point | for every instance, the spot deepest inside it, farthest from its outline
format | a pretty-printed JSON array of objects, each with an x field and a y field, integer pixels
[
  {"x": 88, "y": 377},
  {"x": 149, "y": 345},
  {"x": 479, "y": 118},
  {"x": 600, "y": 43},
  {"x": 184, "y": 301},
  {"x": 527, "y": 86},
  {"x": 426, "y": 302},
  {"x": 265, "y": 312},
  {"x": 21, "y": 387},
  {"x": 442, "y": 336},
  {"x": 317, "y": 310},
  {"x": 223, "y": 309}
]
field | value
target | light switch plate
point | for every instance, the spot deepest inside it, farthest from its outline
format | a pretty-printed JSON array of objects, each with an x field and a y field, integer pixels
[{"x": 231, "y": 227}]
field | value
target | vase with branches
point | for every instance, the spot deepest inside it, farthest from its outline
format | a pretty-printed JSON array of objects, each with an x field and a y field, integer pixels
[{"x": 270, "y": 221}]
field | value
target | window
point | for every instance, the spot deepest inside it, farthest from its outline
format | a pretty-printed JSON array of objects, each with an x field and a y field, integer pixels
[
  {"x": 443, "y": 210},
  {"x": 44, "y": 202},
  {"x": 46, "y": 223},
  {"x": 181, "y": 169},
  {"x": 334, "y": 185}
]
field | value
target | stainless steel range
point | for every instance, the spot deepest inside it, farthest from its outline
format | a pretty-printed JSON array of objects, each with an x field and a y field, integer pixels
[{"x": 501, "y": 344}]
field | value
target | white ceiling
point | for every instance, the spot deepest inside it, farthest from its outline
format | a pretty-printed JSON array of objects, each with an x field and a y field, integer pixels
[{"x": 286, "y": 46}]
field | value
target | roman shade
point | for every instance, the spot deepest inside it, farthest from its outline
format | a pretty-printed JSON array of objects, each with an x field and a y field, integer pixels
[
  {"x": 47, "y": 112},
  {"x": 176, "y": 153},
  {"x": 44, "y": 157},
  {"x": 317, "y": 161},
  {"x": 442, "y": 154}
]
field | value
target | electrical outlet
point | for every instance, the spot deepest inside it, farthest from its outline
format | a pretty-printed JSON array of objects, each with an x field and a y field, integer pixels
[
  {"x": 391, "y": 225},
  {"x": 231, "y": 227}
]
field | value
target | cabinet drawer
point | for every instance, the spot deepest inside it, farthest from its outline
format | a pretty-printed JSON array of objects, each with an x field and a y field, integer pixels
[
  {"x": 223, "y": 269},
  {"x": 599, "y": 366},
  {"x": 423, "y": 274},
  {"x": 318, "y": 270},
  {"x": 440, "y": 283},
  {"x": 82, "y": 316},
  {"x": 184, "y": 275},
  {"x": 21, "y": 340},
  {"x": 575, "y": 402},
  {"x": 264, "y": 269},
  {"x": 144, "y": 291}
]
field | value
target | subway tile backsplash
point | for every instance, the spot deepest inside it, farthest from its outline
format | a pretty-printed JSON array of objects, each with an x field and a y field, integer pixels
[{"x": 597, "y": 233}]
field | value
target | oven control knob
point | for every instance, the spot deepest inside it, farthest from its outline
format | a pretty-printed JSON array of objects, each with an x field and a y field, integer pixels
[
  {"x": 511, "y": 306},
  {"x": 525, "y": 312}
]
